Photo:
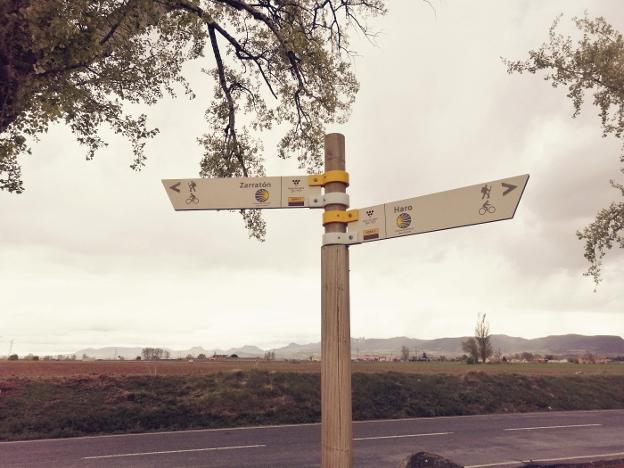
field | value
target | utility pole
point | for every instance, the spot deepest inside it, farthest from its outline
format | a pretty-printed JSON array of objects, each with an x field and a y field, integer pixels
[{"x": 336, "y": 429}]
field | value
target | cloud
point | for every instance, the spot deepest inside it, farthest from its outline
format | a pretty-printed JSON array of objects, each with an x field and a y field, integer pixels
[{"x": 92, "y": 254}]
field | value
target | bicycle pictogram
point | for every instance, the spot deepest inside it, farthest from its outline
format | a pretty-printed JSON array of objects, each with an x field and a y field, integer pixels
[
  {"x": 192, "y": 199},
  {"x": 487, "y": 207}
]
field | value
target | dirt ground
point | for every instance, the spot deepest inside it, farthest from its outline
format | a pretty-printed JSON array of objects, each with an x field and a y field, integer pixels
[{"x": 47, "y": 369}]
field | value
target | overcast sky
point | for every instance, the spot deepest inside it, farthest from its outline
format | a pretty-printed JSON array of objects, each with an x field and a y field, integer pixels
[{"x": 92, "y": 254}]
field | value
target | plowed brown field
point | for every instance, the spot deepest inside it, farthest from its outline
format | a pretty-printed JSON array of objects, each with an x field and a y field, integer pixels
[{"x": 47, "y": 369}]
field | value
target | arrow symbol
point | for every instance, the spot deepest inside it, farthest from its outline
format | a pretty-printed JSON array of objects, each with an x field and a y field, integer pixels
[
  {"x": 175, "y": 187},
  {"x": 508, "y": 188}
]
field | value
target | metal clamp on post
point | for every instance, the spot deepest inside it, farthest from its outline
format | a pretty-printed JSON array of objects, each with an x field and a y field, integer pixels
[
  {"x": 327, "y": 177},
  {"x": 334, "y": 198},
  {"x": 337, "y": 216},
  {"x": 339, "y": 238}
]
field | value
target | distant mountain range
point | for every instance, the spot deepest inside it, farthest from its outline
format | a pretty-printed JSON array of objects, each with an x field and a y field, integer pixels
[{"x": 559, "y": 345}]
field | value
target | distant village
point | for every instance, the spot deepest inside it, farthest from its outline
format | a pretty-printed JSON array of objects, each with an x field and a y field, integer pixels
[{"x": 160, "y": 354}]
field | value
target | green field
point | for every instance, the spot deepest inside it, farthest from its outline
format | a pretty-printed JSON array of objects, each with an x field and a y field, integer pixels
[{"x": 100, "y": 404}]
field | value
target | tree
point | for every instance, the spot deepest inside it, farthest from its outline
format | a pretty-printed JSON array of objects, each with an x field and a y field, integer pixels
[
  {"x": 152, "y": 353},
  {"x": 472, "y": 349},
  {"x": 479, "y": 347},
  {"x": 405, "y": 353},
  {"x": 593, "y": 64},
  {"x": 272, "y": 63},
  {"x": 483, "y": 338}
]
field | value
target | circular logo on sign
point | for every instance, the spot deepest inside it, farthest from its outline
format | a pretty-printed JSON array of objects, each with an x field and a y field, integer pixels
[
  {"x": 262, "y": 195},
  {"x": 403, "y": 220}
]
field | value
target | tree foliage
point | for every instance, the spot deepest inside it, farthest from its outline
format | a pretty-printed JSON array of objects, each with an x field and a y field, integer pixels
[
  {"x": 273, "y": 63},
  {"x": 592, "y": 65},
  {"x": 405, "y": 353},
  {"x": 471, "y": 348},
  {"x": 479, "y": 347},
  {"x": 152, "y": 354},
  {"x": 483, "y": 338}
]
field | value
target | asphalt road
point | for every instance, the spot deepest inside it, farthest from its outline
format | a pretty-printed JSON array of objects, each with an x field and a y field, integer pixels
[{"x": 476, "y": 441}]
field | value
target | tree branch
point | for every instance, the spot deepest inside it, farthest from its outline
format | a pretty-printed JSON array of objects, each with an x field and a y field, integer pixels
[{"x": 230, "y": 129}]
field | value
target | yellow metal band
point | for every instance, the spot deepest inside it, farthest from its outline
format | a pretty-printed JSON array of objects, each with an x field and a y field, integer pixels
[
  {"x": 327, "y": 177},
  {"x": 337, "y": 216}
]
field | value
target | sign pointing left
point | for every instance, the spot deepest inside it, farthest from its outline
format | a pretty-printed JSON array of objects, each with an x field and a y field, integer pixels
[{"x": 243, "y": 193}]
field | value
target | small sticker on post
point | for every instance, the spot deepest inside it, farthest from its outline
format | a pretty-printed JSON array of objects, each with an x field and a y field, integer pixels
[
  {"x": 370, "y": 234},
  {"x": 296, "y": 201}
]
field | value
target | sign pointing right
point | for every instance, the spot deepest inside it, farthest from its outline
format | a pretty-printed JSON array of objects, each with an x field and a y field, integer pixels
[
  {"x": 509, "y": 188},
  {"x": 476, "y": 204}
]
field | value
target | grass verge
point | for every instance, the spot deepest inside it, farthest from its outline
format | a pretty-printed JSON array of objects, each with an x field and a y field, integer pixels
[{"x": 76, "y": 406}]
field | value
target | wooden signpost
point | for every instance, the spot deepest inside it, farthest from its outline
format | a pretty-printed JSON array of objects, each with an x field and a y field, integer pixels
[{"x": 477, "y": 204}]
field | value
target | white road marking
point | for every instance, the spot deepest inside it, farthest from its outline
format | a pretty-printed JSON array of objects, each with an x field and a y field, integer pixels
[
  {"x": 140, "y": 454},
  {"x": 496, "y": 464},
  {"x": 280, "y": 426},
  {"x": 402, "y": 436},
  {"x": 578, "y": 457},
  {"x": 550, "y": 427}
]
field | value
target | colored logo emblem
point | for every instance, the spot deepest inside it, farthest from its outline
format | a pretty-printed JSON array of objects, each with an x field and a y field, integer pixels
[
  {"x": 262, "y": 195},
  {"x": 403, "y": 220}
]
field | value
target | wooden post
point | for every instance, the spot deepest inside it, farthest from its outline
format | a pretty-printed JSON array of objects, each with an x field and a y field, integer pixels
[{"x": 336, "y": 429}]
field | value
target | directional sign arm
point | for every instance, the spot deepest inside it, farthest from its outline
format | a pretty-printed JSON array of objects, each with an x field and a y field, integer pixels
[
  {"x": 242, "y": 193},
  {"x": 476, "y": 204}
]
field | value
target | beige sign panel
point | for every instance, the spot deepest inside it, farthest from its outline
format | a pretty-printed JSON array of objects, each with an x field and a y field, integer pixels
[
  {"x": 371, "y": 224},
  {"x": 240, "y": 193},
  {"x": 476, "y": 204}
]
